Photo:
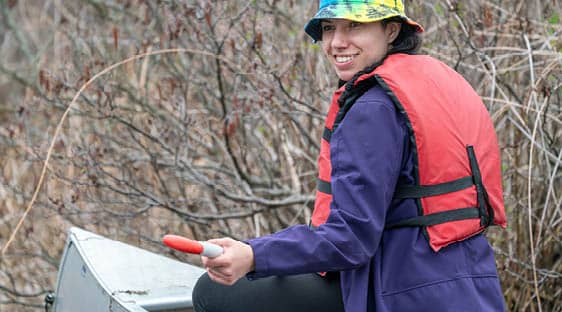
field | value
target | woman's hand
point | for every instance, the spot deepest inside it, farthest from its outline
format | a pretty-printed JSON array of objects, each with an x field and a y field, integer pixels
[{"x": 236, "y": 260}]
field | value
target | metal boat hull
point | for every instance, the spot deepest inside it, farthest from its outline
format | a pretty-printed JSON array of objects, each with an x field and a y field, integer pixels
[{"x": 98, "y": 274}]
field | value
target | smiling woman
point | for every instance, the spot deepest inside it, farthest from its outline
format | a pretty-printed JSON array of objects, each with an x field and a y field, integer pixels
[{"x": 391, "y": 230}]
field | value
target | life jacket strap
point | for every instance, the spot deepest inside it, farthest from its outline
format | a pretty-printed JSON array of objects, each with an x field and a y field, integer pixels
[
  {"x": 324, "y": 186},
  {"x": 419, "y": 191},
  {"x": 484, "y": 211},
  {"x": 437, "y": 218},
  {"x": 327, "y": 134}
]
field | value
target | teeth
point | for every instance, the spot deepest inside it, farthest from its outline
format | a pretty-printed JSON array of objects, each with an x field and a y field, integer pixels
[{"x": 343, "y": 59}]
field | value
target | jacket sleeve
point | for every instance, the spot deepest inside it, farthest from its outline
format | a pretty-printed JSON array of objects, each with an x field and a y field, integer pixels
[{"x": 366, "y": 152}]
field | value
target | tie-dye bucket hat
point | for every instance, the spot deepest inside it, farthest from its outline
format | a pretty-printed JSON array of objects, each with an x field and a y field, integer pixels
[{"x": 358, "y": 11}]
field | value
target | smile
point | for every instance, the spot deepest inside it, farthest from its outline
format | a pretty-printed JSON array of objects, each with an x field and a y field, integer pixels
[{"x": 344, "y": 58}]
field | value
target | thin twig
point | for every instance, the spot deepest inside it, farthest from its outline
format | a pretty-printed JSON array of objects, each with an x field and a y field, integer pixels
[{"x": 530, "y": 205}]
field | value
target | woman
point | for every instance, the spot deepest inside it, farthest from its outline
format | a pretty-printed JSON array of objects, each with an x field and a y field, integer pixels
[{"x": 409, "y": 178}]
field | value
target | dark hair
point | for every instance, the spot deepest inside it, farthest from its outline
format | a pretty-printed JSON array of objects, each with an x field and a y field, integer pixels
[{"x": 408, "y": 40}]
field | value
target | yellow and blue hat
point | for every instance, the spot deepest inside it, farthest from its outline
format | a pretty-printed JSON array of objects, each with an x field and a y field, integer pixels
[{"x": 358, "y": 11}]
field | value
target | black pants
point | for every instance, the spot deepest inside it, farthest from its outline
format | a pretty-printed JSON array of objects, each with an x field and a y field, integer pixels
[{"x": 307, "y": 292}]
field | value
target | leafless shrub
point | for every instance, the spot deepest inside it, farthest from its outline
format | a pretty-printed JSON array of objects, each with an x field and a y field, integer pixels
[{"x": 221, "y": 139}]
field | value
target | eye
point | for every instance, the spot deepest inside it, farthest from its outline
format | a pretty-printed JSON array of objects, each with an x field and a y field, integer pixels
[
  {"x": 355, "y": 24},
  {"x": 328, "y": 27}
]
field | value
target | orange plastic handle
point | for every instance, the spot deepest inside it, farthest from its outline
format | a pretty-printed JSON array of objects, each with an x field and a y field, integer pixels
[{"x": 183, "y": 244}]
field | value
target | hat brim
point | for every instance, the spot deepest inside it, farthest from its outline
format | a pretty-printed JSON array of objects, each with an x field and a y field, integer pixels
[{"x": 314, "y": 28}]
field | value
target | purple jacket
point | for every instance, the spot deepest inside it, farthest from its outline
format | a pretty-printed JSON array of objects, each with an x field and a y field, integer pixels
[{"x": 381, "y": 270}]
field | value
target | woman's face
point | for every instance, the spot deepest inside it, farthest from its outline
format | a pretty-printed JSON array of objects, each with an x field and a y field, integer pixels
[{"x": 352, "y": 46}]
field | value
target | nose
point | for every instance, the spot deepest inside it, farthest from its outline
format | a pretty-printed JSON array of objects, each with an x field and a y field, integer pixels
[{"x": 340, "y": 39}]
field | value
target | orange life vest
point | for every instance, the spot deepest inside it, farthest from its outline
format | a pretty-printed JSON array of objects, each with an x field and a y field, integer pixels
[{"x": 457, "y": 168}]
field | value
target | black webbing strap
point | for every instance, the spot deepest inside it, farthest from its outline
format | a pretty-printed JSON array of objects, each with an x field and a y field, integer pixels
[
  {"x": 486, "y": 211},
  {"x": 419, "y": 191},
  {"x": 327, "y": 134},
  {"x": 324, "y": 186},
  {"x": 437, "y": 218}
]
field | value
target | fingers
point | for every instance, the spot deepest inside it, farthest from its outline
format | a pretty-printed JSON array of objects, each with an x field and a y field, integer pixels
[
  {"x": 219, "y": 268},
  {"x": 223, "y": 242},
  {"x": 235, "y": 262},
  {"x": 217, "y": 262},
  {"x": 225, "y": 278},
  {"x": 223, "y": 260},
  {"x": 221, "y": 265}
]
